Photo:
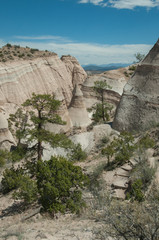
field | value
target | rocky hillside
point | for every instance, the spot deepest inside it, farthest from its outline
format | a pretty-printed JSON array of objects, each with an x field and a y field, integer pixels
[
  {"x": 15, "y": 52},
  {"x": 139, "y": 105}
]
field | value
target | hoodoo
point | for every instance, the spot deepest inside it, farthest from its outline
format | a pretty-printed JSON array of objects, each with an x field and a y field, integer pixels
[
  {"x": 139, "y": 105},
  {"x": 77, "y": 110}
]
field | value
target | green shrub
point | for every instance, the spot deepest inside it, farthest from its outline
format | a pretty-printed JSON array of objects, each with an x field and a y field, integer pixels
[
  {"x": 11, "y": 179},
  {"x": 132, "y": 68},
  {"x": 33, "y": 50},
  {"x": 121, "y": 149},
  {"x": 18, "y": 153},
  {"x": 76, "y": 153},
  {"x": 105, "y": 139},
  {"x": 27, "y": 190},
  {"x": 16, "y": 46},
  {"x": 126, "y": 74},
  {"x": 135, "y": 192},
  {"x": 59, "y": 183},
  {"x": 8, "y": 45},
  {"x": 146, "y": 142},
  {"x": 21, "y": 55},
  {"x": 100, "y": 109},
  {"x": 4, "y": 156}
]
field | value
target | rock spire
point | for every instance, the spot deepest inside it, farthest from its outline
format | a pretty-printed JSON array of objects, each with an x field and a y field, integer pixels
[{"x": 139, "y": 106}]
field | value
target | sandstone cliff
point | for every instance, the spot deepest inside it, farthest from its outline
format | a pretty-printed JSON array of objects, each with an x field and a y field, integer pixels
[
  {"x": 19, "y": 79},
  {"x": 139, "y": 105},
  {"x": 48, "y": 74}
]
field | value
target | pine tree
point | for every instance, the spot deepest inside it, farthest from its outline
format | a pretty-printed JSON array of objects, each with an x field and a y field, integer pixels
[
  {"x": 101, "y": 110},
  {"x": 43, "y": 110}
]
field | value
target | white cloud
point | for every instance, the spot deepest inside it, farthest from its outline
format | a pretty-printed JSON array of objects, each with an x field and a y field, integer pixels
[
  {"x": 131, "y": 4},
  {"x": 123, "y": 4},
  {"x": 87, "y": 53},
  {"x": 48, "y": 37},
  {"x": 95, "y": 2}
]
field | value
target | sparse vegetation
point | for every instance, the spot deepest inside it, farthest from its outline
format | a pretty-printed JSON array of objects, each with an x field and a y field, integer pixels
[
  {"x": 139, "y": 57},
  {"x": 76, "y": 153},
  {"x": 125, "y": 220},
  {"x": 121, "y": 149},
  {"x": 101, "y": 111},
  {"x": 15, "y": 52}
]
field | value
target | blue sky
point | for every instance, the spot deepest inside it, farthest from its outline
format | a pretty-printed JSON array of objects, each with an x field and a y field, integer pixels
[{"x": 94, "y": 31}]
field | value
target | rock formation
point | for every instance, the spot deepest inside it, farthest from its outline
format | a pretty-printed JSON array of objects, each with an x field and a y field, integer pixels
[
  {"x": 115, "y": 78},
  {"x": 76, "y": 71},
  {"x": 6, "y": 139},
  {"x": 77, "y": 109},
  {"x": 41, "y": 75},
  {"x": 19, "y": 79},
  {"x": 139, "y": 105}
]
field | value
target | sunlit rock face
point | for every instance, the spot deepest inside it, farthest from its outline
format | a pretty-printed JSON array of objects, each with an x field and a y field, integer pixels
[
  {"x": 77, "y": 110},
  {"x": 19, "y": 79},
  {"x": 139, "y": 105},
  {"x": 114, "y": 78},
  {"x": 6, "y": 139},
  {"x": 42, "y": 75}
]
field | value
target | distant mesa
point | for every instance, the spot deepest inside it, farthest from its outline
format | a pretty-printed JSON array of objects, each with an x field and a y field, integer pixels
[{"x": 139, "y": 106}]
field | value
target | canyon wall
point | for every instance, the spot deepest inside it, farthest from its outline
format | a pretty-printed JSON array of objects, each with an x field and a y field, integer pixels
[{"x": 43, "y": 75}]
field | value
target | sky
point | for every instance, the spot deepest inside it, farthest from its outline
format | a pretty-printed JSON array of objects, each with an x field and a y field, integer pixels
[{"x": 94, "y": 31}]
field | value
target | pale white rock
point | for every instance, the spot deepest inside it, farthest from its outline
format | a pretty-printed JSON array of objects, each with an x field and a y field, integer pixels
[
  {"x": 6, "y": 139},
  {"x": 19, "y": 79},
  {"x": 43, "y": 75},
  {"x": 74, "y": 69},
  {"x": 77, "y": 110},
  {"x": 139, "y": 106},
  {"x": 114, "y": 78}
]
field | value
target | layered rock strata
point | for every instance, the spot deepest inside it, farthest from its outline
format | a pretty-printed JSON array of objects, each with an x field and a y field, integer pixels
[
  {"x": 139, "y": 105},
  {"x": 42, "y": 75}
]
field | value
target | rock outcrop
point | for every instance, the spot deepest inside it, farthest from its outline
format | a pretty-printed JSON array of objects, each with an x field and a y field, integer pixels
[
  {"x": 41, "y": 75},
  {"x": 6, "y": 139},
  {"x": 115, "y": 78},
  {"x": 19, "y": 79},
  {"x": 139, "y": 105},
  {"x": 77, "y": 110},
  {"x": 75, "y": 70}
]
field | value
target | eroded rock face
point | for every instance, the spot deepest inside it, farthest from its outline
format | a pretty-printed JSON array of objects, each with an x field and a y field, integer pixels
[
  {"x": 77, "y": 110},
  {"x": 42, "y": 75},
  {"x": 18, "y": 80},
  {"x": 139, "y": 105},
  {"x": 76, "y": 71},
  {"x": 115, "y": 78}
]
